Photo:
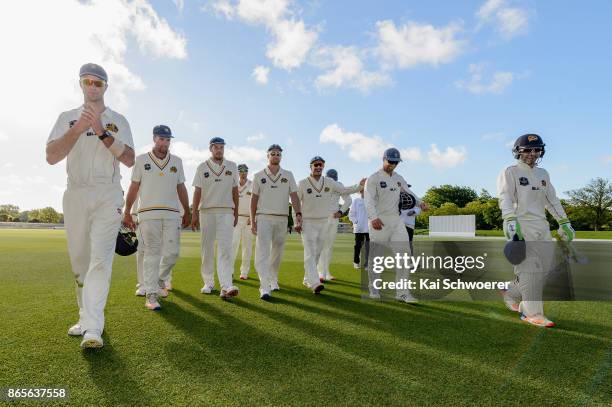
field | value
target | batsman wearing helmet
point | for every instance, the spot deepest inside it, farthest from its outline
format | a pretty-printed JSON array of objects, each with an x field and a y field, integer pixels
[
  {"x": 94, "y": 139},
  {"x": 158, "y": 181},
  {"x": 382, "y": 197},
  {"x": 525, "y": 192}
]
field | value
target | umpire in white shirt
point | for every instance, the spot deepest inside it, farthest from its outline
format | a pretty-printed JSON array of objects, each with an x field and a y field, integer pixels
[
  {"x": 359, "y": 217},
  {"x": 94, "y": 139}
]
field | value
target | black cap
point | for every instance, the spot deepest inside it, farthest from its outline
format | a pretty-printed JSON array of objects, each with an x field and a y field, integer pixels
[
  {"x": 316, "y": 158},
  {"x": 243, "y": 168},
  {"x": 95, "y": 70},
  {"x": 275, "y": 147},
  {"x": 162, "y": 131},
  {"x": 216, "y": 140}
]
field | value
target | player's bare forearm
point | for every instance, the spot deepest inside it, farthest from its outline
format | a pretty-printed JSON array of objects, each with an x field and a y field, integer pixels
[
  {"x": 58, "y": 149},
  {"x": 181, "y": 190},
  {"x": 197, "y": 195},
  {"x": 235, "y": 197},
  {"x": 127, "y": 157},
  {"x": 254, "y": 200},
  {"x": 295, "y": 202},
  {"x": 131, "y": 196}
]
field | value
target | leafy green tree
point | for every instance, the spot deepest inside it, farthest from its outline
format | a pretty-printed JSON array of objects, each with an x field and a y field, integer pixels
[
  {"x": 9, "y": 213},
  {"x": 460, "y": 196},
  {"x": 491, "y": 214},
  {"x": 595, "y": 199}
]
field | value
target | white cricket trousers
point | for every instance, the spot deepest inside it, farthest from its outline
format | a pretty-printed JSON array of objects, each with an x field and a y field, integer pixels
[
  {"x": 92, "y": 218},
  {"x": 243, "y": 237},
  {"x": 532, "y": 272},
  {"x": 217, "y": 227},
  {"x": 165, "y": 265},
  {"x": 329, "y": 237},
  {"x": 393, "y": 232},
  {"x": 269, "y": 246},
  {"x": 160, "y": 240},
  {"x": 313, "y": 236}
]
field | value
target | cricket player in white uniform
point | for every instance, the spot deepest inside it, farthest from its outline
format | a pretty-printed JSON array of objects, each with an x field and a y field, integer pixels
[
  {"x": 272, "y": 188},
  {"x": 315, "y": 192},
  {"x": 158, "y": 182},
  {"x": 216, "y": 197},
  {"x": 525, "y": 192},
  {"x": 382, "y": 194},
  {"x": 242, "y": 230},
  {"x": 95, "y": 139},
  {"x": 336, "y": 211}
]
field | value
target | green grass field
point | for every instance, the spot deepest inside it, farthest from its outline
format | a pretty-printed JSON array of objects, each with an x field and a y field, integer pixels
[{"x": 299, "y": 349}]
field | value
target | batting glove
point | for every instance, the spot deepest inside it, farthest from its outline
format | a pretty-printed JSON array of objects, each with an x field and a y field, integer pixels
[
  {"x": 566, "y": 231},
  {"x": 512, "y": 227}
]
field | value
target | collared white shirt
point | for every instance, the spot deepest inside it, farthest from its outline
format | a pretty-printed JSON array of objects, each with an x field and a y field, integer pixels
[
  {"x": 346, "y": 199},
  {"x": 244, "y": 198},
  {"x": 359, "y": 216},
  {"x": 90, "y": 163},
  {"x": 526, "y": 192},
  {"x": 382, "y": 192},
  {"x": 315, "y": 196},
  {"x": 217, "y": 182},
  {"x": 158, "y": 178},
  {"x": 273, "y": 191}
]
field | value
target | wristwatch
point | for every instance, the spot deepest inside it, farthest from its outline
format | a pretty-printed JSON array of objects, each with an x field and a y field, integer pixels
[
  {"x": 104, "y": 135},
  {"x": 298, "y": 214}
]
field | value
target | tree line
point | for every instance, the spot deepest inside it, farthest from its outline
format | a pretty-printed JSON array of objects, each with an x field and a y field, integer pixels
[{"x": 11, "y": 213}]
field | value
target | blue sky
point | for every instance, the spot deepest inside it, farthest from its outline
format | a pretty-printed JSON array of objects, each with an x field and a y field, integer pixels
[{"x": 449, "y": 83}]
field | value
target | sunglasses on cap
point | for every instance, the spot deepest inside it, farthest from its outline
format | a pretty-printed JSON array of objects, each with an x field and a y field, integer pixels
[{"x": 98, "y": 83}]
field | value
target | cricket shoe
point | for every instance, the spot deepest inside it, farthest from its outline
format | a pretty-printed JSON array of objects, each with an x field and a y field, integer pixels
[
  {"x": 306, "y": 284},
  {"x": 75, "y": 330},
  {"x": 321, "y": 278},
  {"x": 152, "y": 302},
  {"x": 330, "y": 278},
  {"x": 318, "y": 289},
  {"x": 229, "y": 293},
  {"x": 243, "y": 277},
  {"x": 162, "y": 292},
  {"x": 356, "y": 265},
  {"x": 374, "y": 296},
  {"x": 274, "y": 287},
  {"x": 140, "y": 292},
  {"x": 206, "y": 289},
  {"x": 264, "y": 294},
  {"x": 92, "y": 340},
  {"x": 538, "y": 320},
  {"x": 168, "y": 285},
  {"x": 407, "y": 298},
  {"x": 509, "y": 302}
]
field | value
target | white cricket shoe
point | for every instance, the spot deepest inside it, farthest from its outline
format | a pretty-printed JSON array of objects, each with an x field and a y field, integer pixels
[
  {"x": 92, "y": 340},
  {"x": 306, "y": 284},
  {"x": 538, "y": 320},
  {"x": 206, "y": 289},
  {"x": 244, "y": 277},
  {"x": 229, "y": 293},
  {"x": 407, "y": 298},
  {"x": 274, "y": 287},
  {"x": 163, "y": 292},
  {"x": 509, "y": 302},
  {"x": 374, "y": 296},
  {"x": 75, "y": 330},
  {"x": 168, "y": 285},
  {"x": 140, "y": 292},
  {"x": 356, "y": 265},
  {"x": 152, "y": 303}
]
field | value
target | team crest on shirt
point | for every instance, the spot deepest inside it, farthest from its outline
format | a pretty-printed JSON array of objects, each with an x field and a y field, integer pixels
[
  {"x": 309, "y": 190},
  {"x": 283, "y": 180},
  {"x": 399, "y": 184},
  {"x": 112, "y": 127},
  {"x": 383, "y": 184},
  {"x": 173, "y": 169},
  {"x": 523, "y": 181},
  {"x": 543, "y": 183},
  {"x": 206, "y": 175},
  {"x": 228, "y": 172},
  {"x": 326, "y": 189},
  {"x": 248, "y": 193},
  {"x": 147, "y": 166},
  {"x": 263, "y": 180},
  {"x": 71, "y": 123}
]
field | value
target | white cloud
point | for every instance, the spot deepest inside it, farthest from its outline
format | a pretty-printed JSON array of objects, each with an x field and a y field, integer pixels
[
  {"x": 411, "y": 154},
  {"x": 451, "y": 157},
  {"x": 413, "y": 44},
  {"x": 193, "y": 125},
  {"x": 499, "y": 81},
  {"x": 607, "y": 159},
  {"x": 260, "y": 73},
  {"x": 344, "y": 68},
  {"x": 254, "y": 139},
  {"x": 508, "y": 21},
  {"x": 292, "y": 40},
  {"x": 180, "y": 5},
  {"x": 73, "y": 33}
]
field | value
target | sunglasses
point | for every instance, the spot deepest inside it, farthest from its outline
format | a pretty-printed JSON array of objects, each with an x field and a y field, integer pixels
[
  {"x": 317, "y": 165},
  {"x": 275, "y": 154},
  {"x": 98, "y": 83},
  {"x": 393, "y": 162},
  {"x": 529, "y": 150}
]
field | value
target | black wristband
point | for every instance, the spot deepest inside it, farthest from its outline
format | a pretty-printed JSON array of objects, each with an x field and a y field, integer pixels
[{"x": 104, "y": 135}]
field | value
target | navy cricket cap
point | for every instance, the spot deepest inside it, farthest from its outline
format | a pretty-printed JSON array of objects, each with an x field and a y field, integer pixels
[
  {"x": 316, "y": 158},
  {"x": 333, "y": 174},
  {"x": 275, "y": 147},
  {"x": 216, "y": 140},
  {"x": 243, "y": 168},
  {"x": 95, "y": 70},
  {"x": 392, "y": 155},
  {"x": 162, "y": 131}
]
